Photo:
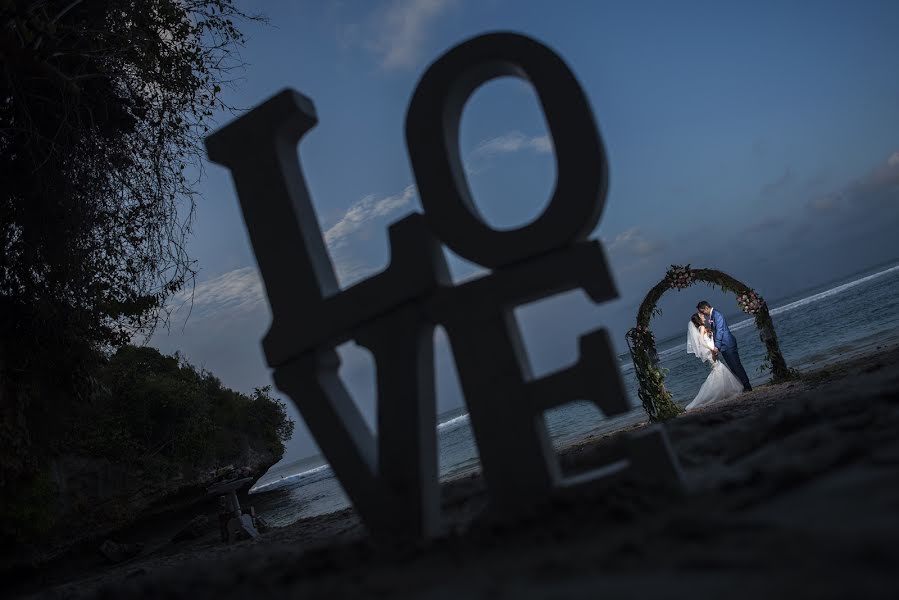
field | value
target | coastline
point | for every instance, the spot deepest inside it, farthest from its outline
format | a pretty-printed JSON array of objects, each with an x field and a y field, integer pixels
[{"x": 781, "y": 480}]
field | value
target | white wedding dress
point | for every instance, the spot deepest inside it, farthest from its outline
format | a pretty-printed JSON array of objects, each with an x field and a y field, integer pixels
[{"x": 721, "y": 384}]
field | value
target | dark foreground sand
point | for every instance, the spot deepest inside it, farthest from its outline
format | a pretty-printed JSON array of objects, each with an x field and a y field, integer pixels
[{"x": 793, "y": 493}]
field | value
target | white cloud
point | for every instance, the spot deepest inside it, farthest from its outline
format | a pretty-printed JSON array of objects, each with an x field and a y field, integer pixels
[
  {"x": 631, "y": 250},
  {"x": 350, "y": 269},
  {"x": 508, "y": 143},
  {"x": 631, "y": 241},
  {"x": 542, "y": 144},
  {"x": 232, "y": 294},
  {"x": 878, "y": 188},
  {"x": 397, "y": 33},
  {"x": 241, "y": 293},
  {"x": 514, "y": 141},
  {"x": 222, "y": 301},
  {"x": 359, "y": 214}
]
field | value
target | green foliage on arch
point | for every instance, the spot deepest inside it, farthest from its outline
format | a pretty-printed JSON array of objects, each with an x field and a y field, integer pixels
[{"x": 651, "y": 378}]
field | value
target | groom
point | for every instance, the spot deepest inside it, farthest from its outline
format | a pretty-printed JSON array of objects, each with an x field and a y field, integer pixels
[{"x": 725, "y": 343}]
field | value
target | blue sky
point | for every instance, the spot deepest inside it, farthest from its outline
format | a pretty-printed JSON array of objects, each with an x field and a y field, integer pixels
[{"x": 758, "y": 138}]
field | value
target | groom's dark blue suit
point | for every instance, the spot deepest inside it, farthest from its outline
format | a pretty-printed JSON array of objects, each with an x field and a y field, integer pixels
[{"x": 727, "y": 344}]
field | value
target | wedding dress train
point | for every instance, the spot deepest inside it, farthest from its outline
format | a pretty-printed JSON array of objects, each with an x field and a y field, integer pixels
[{"x": 721, "y": 384}]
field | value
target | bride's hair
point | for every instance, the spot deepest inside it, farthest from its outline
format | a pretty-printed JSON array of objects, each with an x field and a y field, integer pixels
[{"x": 696, "y": 320}]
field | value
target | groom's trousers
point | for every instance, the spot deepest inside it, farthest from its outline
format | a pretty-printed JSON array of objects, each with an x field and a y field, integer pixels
[{"x": 732, "y": 360}]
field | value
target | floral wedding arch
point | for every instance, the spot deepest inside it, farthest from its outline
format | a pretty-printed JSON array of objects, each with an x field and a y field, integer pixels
[{"x": 641, "y": 342}]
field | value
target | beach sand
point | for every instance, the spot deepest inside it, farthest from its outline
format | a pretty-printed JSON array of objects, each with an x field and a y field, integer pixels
[{"x": 793, "y": 492}]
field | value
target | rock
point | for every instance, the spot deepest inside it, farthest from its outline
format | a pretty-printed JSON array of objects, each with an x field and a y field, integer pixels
[
  {"x": 262, "y": 525},
  {"x": 195, "y": 528},
  {"x": 116, "y": 552},
  {"x": 95, "y": 497},
  {"x": 217, "y": 474}
]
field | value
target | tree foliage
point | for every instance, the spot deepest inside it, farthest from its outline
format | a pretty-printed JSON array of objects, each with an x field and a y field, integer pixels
[
  {"x": 162, "y": 419},
  {"x": 102, "y": 107},
  {"x": 150, "y": 406}
]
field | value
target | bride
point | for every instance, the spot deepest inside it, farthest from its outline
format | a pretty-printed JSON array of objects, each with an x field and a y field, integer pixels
[{"x": 721, "y": 383}]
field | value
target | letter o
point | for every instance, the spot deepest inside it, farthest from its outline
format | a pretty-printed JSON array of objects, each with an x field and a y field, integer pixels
[{"x": 432, "y": 138}]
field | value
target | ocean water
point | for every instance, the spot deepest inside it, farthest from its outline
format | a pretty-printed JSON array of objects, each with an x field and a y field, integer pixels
[{"x": 819, "y": 326}]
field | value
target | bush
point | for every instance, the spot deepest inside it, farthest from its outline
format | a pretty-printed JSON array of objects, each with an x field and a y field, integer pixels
[
  {"x": 150, "y": 406},
  {"x": 28, "y": 511}
]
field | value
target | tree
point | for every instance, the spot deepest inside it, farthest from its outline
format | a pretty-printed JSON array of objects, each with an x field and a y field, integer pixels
[
  {"x": 162, "y": 421},
  {"x": 102, "y": 109}
]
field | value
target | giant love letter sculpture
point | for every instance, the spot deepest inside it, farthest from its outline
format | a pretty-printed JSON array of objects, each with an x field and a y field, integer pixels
[{"x": 391, "y": 478}]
